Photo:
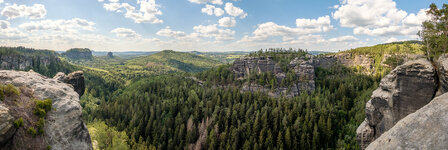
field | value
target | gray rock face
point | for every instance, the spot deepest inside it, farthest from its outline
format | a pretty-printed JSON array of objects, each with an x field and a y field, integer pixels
[
  {"x": 64, "y": 128},
  {"x": 18, "y": 62},
  {"x": 442, "y": 64},
  {"x": 348, "y": 60},
  {"x": 244, "y": 66},
  {"x": 303, "y": 69},
  {"x": 7, "y": 128},
  {"x": 427, "y": 128},
  {"x": 75, "y": 79},
  {"x": 403, "y": 91}
]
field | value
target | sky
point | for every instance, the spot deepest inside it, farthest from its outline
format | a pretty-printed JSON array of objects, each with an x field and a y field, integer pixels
[{"x": 209, "y": 25}]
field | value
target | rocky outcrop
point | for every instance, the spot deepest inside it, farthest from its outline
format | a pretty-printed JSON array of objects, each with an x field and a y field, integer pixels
[
  {"x": 442, "y": 65},
  {"x": 403, "y": 91},
  {"x": 79, "y": 53},
  {"x": 7, "y": 128},
  {"x": 302, "y": 67},
  {"x": 244, "y": 66},
  {"x": 75, "y": 79},
  {"x": 110, "y": 55},
  {"x": 346, "y": 59},
  {"x": 64, "y": 128},
  {"x": 427, "y": 128},
  {"x": 20, "y": 62}
]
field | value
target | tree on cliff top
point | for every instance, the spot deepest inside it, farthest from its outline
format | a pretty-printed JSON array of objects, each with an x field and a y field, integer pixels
[{"x": 434, "y": 31}]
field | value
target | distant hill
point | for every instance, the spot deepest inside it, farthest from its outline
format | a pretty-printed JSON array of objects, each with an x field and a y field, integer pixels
[
  {"x": 187, "y": 62},
  {"x": 79, "y": 53}
]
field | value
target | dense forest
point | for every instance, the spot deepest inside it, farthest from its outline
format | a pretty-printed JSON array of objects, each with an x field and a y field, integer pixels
[{"x": 172, "y": 112}]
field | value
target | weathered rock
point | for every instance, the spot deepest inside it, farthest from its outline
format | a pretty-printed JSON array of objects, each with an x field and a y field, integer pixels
[
  {"x": 22, "y": 62},
  {"x": 75, "y": 79},
  {"x": 303, "y": 69},
  {"x": 427, "y": 128},
  {"x": 403, "y": 91},
  {"x": 244, "y": 66},
  {"x": 347, "y": 60},
  {"x": 64, "y": 128},
  {"x": 442, "y": 65},
  {"x": 7, "y": 128}
]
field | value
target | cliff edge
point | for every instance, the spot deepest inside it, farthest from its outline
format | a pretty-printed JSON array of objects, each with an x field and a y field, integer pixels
[{"x": 40, "y": 113}]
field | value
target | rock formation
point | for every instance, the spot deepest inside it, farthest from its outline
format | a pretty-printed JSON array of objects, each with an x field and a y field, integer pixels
[
  {"x": 427, "y": 128},
  {"x": 403, "y": 91},
  {"x": 442, "y": 65},
  {"x": 75, "y": 79},
  {"x": 302, "y": 67},
  {"x": 346, "y": 59},
  {"x": 110, "y": 55},
  {"x": 244, "y": 66},
  {"x": 7, "y": 129},
  {"x": 21, "y": 62},
  {"x": 79, "y": 53},
  {"x": 63, "y": 129}
]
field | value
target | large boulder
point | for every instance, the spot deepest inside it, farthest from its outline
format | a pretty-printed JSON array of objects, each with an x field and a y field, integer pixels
[
  {"x": 75, "y": 79},
  {"x": 7, "y": 128},
  {"x": 427, "y": 128},
  {"x": 406, "y": 89},
  {"x": 64, "y": 128}
]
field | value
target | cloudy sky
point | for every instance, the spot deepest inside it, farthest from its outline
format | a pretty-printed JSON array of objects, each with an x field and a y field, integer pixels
[{"x": 208, "y": 25}]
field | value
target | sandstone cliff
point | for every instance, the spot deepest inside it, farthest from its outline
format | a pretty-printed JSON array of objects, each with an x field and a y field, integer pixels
[
  {"x": 63, "y": 127},
  {"x": 427, "y": 128},
  {"x": 19, "y": 62},
  {"x": 403, "y": 91},
  {"x": 303, "y": 69}
]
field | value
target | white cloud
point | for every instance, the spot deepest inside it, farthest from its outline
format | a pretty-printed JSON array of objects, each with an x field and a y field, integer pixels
[
  {"x": 4, "y": 24},
  {"x": 113, "y": 1},
  {"x": 216, "y": 2},
  {"x": 212, "y": 10},
  {"x": 100, "y": 0},
  {"x": 73, "y": 25},
  {"x": 392, "y": 39},
  {"x": 321, "y": 24},
  {"x": 235, "y": 11},
  {"x": 125, "y": 33},
  {"x": 378, "y": 18},
  {"x": 167, "y": 32},
  {"x": 36, "y": 11},
  {"x": 347, "y": 38},
  {"x": 147, "y": 12},
  {"x": 212, "y": 31},
  {"x": 227, "y": 22},
  {"x": 1, "y": 1},
  {"x": 304, "y": 26},
  {"x": 415, "y": 20},
  {"x": 7, "y": 33}
]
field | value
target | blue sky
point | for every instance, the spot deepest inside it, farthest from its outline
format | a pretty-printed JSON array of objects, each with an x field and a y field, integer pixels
[{"x": 208, "y": 25}]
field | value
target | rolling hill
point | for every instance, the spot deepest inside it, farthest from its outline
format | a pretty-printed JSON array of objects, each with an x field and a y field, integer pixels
[{"x": 178, "y": 61}]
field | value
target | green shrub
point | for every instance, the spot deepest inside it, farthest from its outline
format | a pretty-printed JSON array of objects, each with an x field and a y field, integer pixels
[
  {"x": 18, "y": 123},
  {"x": 48, "y": 147},
  {"x": 40, "y": 126},
  {"x": 2, "y": 95},
  {"x": 32, "y": 131},
  {"x": 42, "y": 107},
  {"x": 11, "y": 90}
]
